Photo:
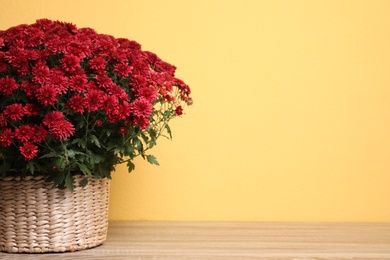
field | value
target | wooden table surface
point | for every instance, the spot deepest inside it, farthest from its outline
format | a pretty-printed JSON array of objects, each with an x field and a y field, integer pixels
[{"x": 235, "y": 240}]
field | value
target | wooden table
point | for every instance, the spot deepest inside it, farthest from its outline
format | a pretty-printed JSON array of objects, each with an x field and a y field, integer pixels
[{"x": 235, "y": 240}]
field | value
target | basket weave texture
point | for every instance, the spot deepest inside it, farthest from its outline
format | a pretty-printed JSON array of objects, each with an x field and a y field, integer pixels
[{"x": 34, "y": 218}]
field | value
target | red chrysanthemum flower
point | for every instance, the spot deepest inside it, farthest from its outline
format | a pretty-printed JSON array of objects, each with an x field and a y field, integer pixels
[
  {"x": 46, "y": 95},
  {"x": 28, "y": 150},
  {"x": 70, "y": 63},
  {"x": 138, "y": 81},
  {"x": 97, "y": 63},
  {"x": 6, "y": 137},
  {"x": 118, "y": 92},
  {"x": 94, "y": 99},
  {"x": 58, "y": 81},
  {"x": 41, "y": 73},
  {"x": 142, "y": 107},
  {"x": 3, "y": 121},
  {"x": 28, "y": 88},
  {"x": 14, "y": 112},
  {"x": 31, "y": 110},
  {"x": 50, "y": 118},
  {"x": 123, "y": 130},
  {"x": 17, "y": 56},
  {"x": 77, "y": 104},
  {"x": 8, "y": 85},
  {"x": 104, "y": 81},
  {"x": 109, "y": 102},
  {"x": 61, "y": 129},
  {"x": 40, "y": 134},
  {"x": 3, "y": 65},
  {"x": 56, "y": 45},
  {"x": 124, "y": 110},
  {"x": 78, "y": 83},
  {"x": 99, "y": 123},
  {"x": 119, "y": 112},
  {"x": 24, "y": 133},
  {"x": 149, "y": 93},
  {"x": 76, "y": 49},
  {"x": 142, "y": 122},
  {"x": 123, "y": 70},
  {"x": 179, "y": 110}
]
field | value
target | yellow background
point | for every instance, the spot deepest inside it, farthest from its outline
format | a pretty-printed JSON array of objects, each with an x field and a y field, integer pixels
[{"x": 291, "y": 120}]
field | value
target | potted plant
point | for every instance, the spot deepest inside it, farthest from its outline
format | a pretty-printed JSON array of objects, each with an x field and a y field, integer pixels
[{"x": 73, "y": 104}]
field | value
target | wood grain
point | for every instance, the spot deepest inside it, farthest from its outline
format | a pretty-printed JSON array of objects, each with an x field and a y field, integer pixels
[{"x": 235, "y": 240}]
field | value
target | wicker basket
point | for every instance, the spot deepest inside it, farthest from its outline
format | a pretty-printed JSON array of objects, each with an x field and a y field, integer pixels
[{"x": 35, "y": 218}]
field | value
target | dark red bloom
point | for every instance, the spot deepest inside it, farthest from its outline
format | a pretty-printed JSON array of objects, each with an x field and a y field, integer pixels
[
  {"x": 18, "y": 57},
  {"x": 94, "y": 99},
  {"x": 123, "y": 130},
  {"x": 149, "y": 93},
  {"x": 109, "y": 102},
  {"x": 31, "y": 110},
  {"x": 179, "y": 110},
  {"x": 24, "y": 133},
  {"x": 50, "y": 118},
  {"x": 97, "y": 63},
  {"x": 78, "y": 83},
  {"x": 41, "y": 73},
  {"x": 28, "y": 150},
  {"x": 123, "y": 70},
  {"x": 8, "y": 85},
  {"x": 3, "y": 65},
  {"x": 142, "y": 107},
  {"x": 6, "y": 137},
  {"x": 28, "y": 88},
  {"x": 40, "y": 134},
  {"x": 70, "y": 63},
  {"x": 142, "y": 122},
  {"x": 104, "y": 81},
  {"x": 58, "y": 81},
  {"x": 3, "y": 121},
  {"x": 117, "y": 91},
  {"x": 14, "y": 112},
  {"x": 99, "y": 123},
  {"x": 46, "y": 95},
  {"x": 77, "y": 104},
  {"x": 61, "y": 129}
]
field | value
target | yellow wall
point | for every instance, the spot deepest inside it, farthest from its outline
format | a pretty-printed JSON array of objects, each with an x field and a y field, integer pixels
[{"x": 291, "y": 120}]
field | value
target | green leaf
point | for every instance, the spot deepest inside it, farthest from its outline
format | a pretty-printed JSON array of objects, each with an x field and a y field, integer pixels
[
  {"x": 71, "y": 154},
  {"x": 31, "y": 167},
  {"x": 94, "y": 140},
  {"x": 83, "y": 182},
  {"x": 50, "y": 155},
  {"x": 69, "y": 182},
  {"x": 75, "y": 141},
  {"x": 169, "y": 131},
  {"x": 153, "y": 133},
  {"x": 97, "y": 158},
  {"x": 138, "y": 144},
  {"x": 60, "y": 163},
  {"x": 130, "y": 166},
  {"x": 128, "y": 150},
  {"x": 152, "y": 144},
  {"x": 152, "y": 159},
  {"x": 119, "y": 149},
  {"x": 82, "y": 143},
  {"x": 84, "y": 169},
  {"x": 58, "y": 179}
]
